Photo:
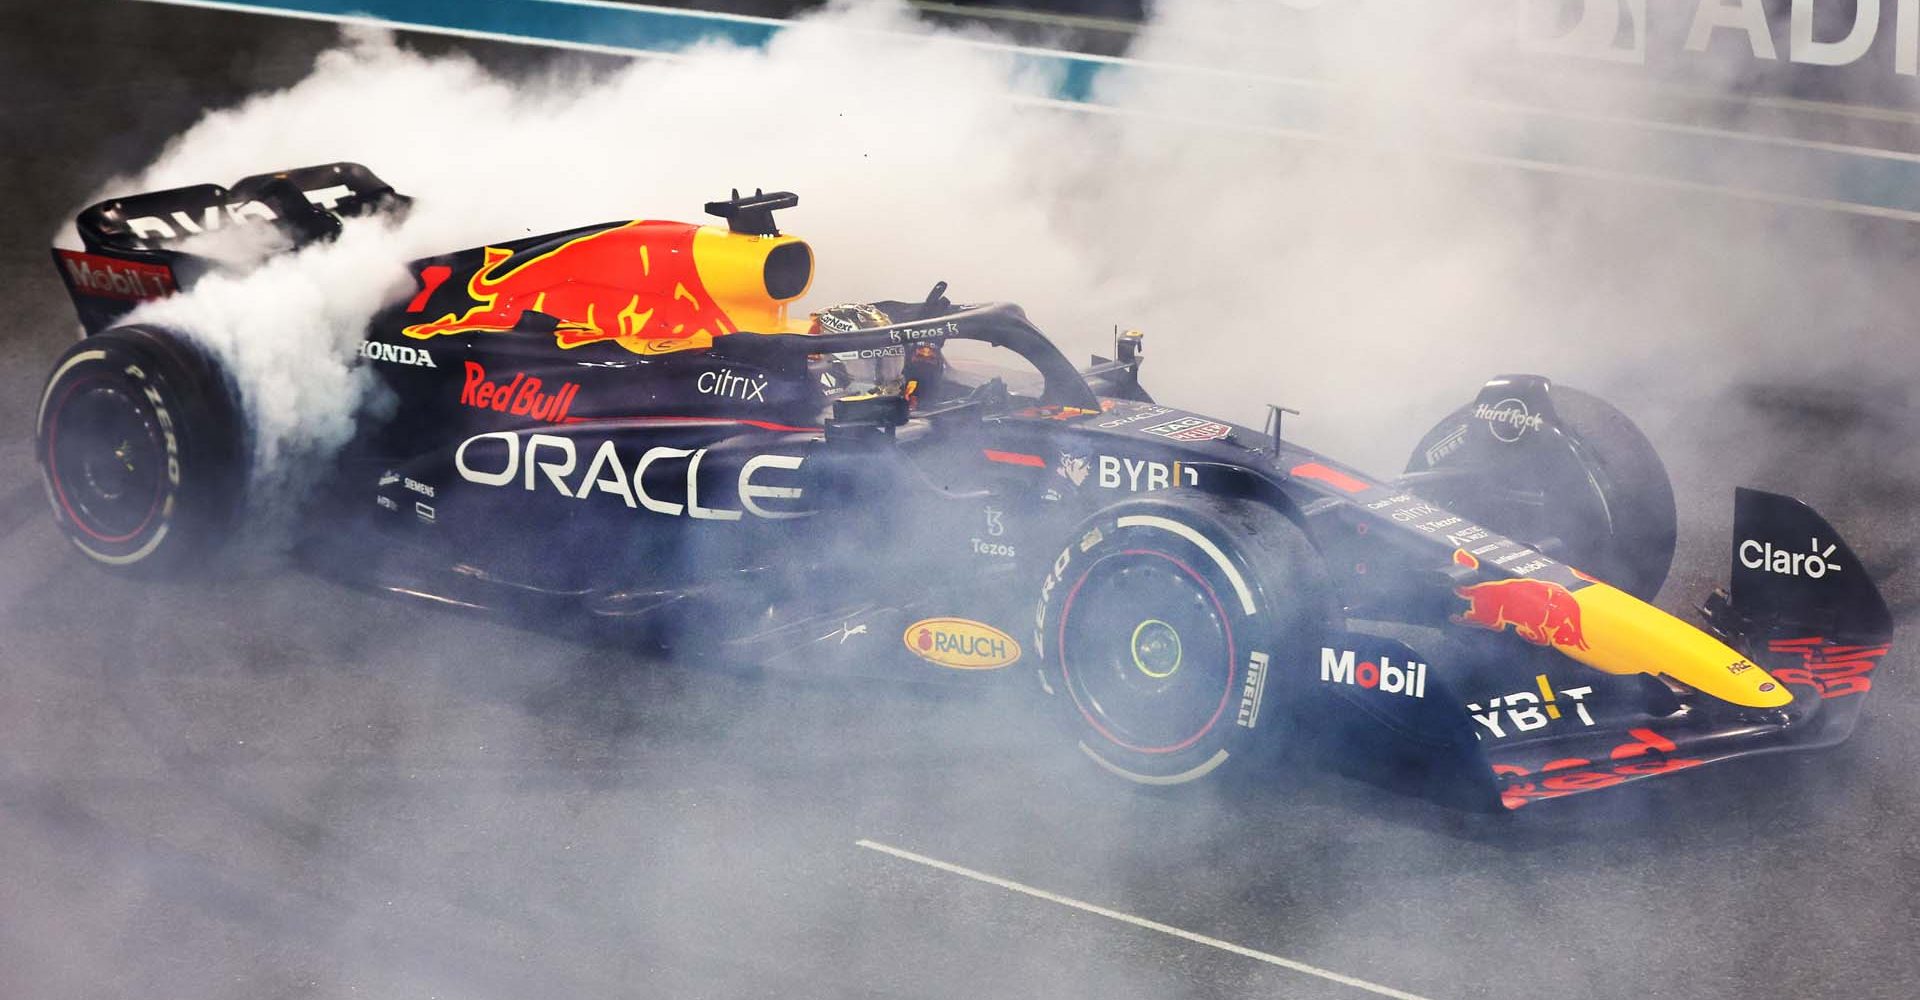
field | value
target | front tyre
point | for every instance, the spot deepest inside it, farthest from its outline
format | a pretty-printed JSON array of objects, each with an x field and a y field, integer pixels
[
  {"x": 141, "y": 449},
  {"x": 1163, "y": 628}
]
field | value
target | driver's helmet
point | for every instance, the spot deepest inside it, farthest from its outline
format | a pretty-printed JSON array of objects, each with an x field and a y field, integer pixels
[{"x": 873, "y": 369}]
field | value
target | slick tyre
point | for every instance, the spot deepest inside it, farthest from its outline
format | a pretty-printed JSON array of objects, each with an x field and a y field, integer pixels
[
  {"x": 1606, "y": 497},
  {"x": 1165, "y": 628},
  {"x": 142, "y": 449}
]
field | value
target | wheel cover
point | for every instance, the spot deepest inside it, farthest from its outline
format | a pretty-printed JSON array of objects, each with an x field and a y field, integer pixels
[
  {"x": 1146, "y": 651},
  {"x": 107, "y": 459}
]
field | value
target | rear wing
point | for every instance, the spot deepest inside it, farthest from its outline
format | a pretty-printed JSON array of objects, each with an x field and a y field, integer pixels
[{"x": 133, "y": 248}]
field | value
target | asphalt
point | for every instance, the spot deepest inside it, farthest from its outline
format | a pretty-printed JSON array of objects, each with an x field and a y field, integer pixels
[{"x": 270, "y": 785}]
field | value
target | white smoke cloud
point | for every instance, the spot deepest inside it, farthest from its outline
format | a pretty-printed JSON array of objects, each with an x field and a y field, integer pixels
[{"x": 1371, "y": 262}]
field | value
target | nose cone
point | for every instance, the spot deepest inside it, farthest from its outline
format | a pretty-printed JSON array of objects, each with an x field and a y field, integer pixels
[{"x": 1624, "y": 635}]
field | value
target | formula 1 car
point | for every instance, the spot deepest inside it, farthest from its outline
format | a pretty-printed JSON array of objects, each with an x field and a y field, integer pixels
[{"x": 624, "y": 422}]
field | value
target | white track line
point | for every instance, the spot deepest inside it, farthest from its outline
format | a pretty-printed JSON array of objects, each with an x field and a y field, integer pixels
[{"x": 1142, "y": 922}]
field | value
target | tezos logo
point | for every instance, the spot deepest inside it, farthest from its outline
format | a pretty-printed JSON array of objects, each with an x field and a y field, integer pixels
[
  {"x": 1814, "y": 563},
  {"x": 1509, "y": 419},
  {"x": 961, "y": 644},
  {"x": 1339, "y": 668},
  {"x": 396, "y": 354}
]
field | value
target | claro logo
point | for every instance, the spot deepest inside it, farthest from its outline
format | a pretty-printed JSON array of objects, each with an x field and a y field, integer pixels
[
  {"x": 543, "y": 462},
  {"x": 1814, "y": 563},
  {"x": 961, "y": 644}
]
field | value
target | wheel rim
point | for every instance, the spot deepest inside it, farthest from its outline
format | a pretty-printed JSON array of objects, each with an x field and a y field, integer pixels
[
  {"x": 1146, "y": 651},
  {"x": 108, "y": 461}
]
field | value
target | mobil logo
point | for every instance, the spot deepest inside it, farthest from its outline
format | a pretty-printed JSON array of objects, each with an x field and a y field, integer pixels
[{"x": 1344, "y": 666}]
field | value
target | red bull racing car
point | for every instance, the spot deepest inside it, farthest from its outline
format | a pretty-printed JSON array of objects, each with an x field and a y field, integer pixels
[{"x": 624, "y": 422}]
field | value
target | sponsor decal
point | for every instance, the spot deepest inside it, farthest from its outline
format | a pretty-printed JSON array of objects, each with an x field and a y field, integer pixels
[
  {"x": 1509, "y": 419},
  {"x": 520, "y": 396},
  {"x": 844, "y": 632},
  {"x": 1574, "y": 774},
  {"x": 1527, "y": 711},
  {"x": 633, "y": 284},
  {"x": 1834, "y": 671},
  {"x": 396, "y": 354},
  {"x": 1190, "y": 429},
  {"x": 1073, "y": 468},
  {"x": 546, "y": 462},
  {"x": 1147, "y": 413},
  {"x": 423, "y": 512},
  {"x": 726, "y": 384},
  {"x": 868, "y": 353},
  {"x": 996, "y": 527},
  {"x": 111, "y": 278},
  {"x": 1447, "y": 445},
  {"x": 1253, "y": 690},
  {"x": 388, "y": 503},
  {"x": 1091, "y": 538},
  {"x": 1139, "y": 475},
  {"x": 1339, "y": 667},
  {"x": 216, "y": 217},
  {"x": 1813, "y": 564},
  {"x": 1414, "y": 512},
  {"x": 389, "y": 477},
  {"x": 961, "y": 644},
  {"x": 419, "y": 487},
  {"x": 1541, "y": 612},
  {"x": 933, "y": 331},
  {"x": 1464, "y": 534}
]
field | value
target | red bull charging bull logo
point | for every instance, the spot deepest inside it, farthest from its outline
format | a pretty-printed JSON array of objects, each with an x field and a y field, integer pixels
[
  {"x": 1540, "y": 611},
  {"x": 634, "y": 284}
]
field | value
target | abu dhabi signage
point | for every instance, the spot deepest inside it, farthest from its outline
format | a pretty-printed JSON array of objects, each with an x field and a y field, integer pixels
[{"x": 1881, "y": 35}]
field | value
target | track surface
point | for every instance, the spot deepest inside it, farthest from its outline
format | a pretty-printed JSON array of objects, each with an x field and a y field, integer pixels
[{"x": 275, "y": 787}]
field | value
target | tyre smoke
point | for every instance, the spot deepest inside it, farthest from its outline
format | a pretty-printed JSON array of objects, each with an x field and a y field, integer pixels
[{"x": 1377, "y": 258}]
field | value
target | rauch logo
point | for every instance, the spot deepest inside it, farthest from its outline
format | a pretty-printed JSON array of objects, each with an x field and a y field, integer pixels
[{"x": 961, "y": 644}]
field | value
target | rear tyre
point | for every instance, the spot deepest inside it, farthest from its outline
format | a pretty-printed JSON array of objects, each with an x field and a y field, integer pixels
[
  {"x": 1606, "y": 496},
  {"x": 141, "y": 449},
  {"x": 1166, "y": 628}
]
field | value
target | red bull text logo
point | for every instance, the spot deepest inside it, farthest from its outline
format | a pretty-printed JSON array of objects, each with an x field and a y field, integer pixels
[
  {"x": 521, "y": 397},
  {"x": 635, "y": 285},
  {"x": 1540, "y": 611},
  {"x": 1340, "y": 668}
]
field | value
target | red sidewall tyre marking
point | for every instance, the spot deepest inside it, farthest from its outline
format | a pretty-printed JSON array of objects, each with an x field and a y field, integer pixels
[
  {"x": 1066, "y": 674},
  {"x": 53, "y": 469}
]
